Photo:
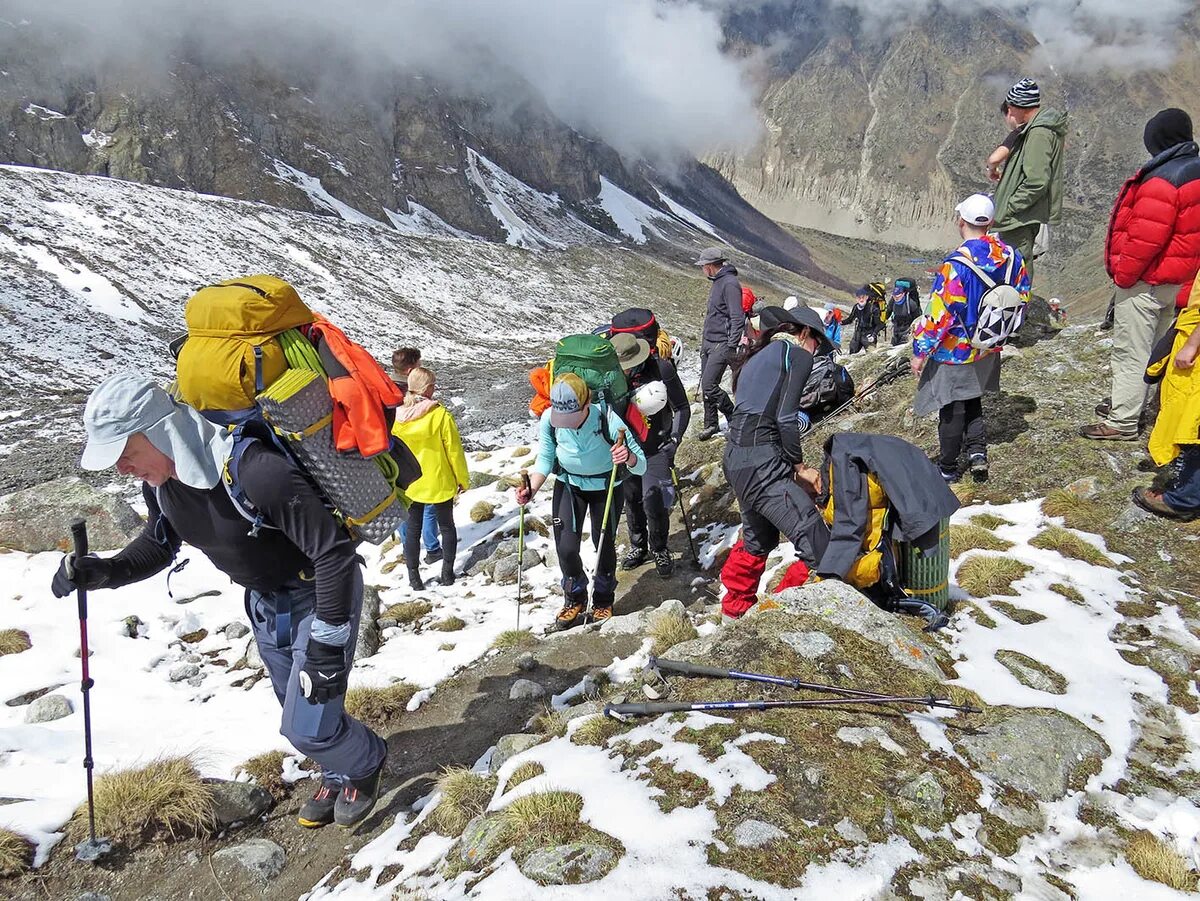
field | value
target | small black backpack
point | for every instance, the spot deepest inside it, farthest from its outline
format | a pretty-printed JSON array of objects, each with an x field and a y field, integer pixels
[{"x": 829, "y": 387}]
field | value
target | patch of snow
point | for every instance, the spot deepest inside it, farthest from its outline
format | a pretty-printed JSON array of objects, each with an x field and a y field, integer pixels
[
  {"x": 97, "y": 140},
  {"x": 321, "y": 199},
  {"x": 688, "y": 216},
  {"x": 43, "y": 113},
  {"x": 631, "y": 215}
]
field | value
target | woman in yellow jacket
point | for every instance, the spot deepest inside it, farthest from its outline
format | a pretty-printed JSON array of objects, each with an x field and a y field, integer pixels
[
  {"x": 429, "y": 431},
  {"x": 1177, "y": 429}
]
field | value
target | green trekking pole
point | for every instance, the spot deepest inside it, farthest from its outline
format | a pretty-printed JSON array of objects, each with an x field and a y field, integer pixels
[
  {"x": 521, "y": 543},
  {"x": 687, "y": 523},
  {"x": 612, "y": 483}
]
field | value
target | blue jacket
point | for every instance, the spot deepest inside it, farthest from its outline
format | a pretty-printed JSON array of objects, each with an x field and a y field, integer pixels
[{"x": 582, "y": 456}]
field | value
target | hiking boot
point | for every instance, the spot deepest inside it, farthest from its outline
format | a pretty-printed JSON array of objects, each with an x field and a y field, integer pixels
[
  {"x": 635, "y": 558},
  {"x": 1104, "y": 408},
  {"x": 979, "y": 467},
  {"x": 317, "y": 811},
  {"x": 1152, "y": 501},
  {"x": 1102, "y": 431},
  {"x": 357, "y": 799},
  {"x": 414, "y": 579},
  {"x": 600, "y": 615},
  {"x": 708, "y": 433},
  {"x": 950, "y": 475},
  {"x": 433, "y": 556},
  {"x": 664, "y": 564},
  {"x": 447, "y": 572},
  {"x": 570, "y": 615}
]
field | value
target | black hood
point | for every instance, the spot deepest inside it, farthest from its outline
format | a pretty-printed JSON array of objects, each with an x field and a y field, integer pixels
[{"x": 1168, "y": 128}]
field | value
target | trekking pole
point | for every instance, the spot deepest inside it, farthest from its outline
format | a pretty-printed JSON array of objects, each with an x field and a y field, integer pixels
[
  {"x": 711, "y": 672},
  {"x": 612, "y": 483},
  {"x": 687, "y": 522},
  {"x": 521, "y": 542},
  {"x": 625, "y": 711},
  {"x": 94, "y": 848}
]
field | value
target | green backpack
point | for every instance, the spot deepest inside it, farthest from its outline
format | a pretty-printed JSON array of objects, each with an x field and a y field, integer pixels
[{"x": 594, "y": 360}]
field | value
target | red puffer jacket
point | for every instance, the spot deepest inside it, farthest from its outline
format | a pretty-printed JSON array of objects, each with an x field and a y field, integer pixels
[{"x": 1154, "y": 233}]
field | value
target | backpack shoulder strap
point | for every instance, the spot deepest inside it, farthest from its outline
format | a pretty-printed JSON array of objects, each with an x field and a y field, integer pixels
[
  {"x": 244, "y": 435},
  {"x": 970, "y": 264}
]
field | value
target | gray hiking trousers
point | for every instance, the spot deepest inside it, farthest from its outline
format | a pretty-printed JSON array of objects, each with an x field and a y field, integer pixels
[
  {"x": 772, "y": 504},
  {"x": 344, "y": 747}
]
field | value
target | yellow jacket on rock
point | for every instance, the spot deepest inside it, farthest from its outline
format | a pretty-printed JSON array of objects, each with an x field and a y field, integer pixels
[
  {"x": 1178, "y": 420},
  {"x": 431, "y": 434}
]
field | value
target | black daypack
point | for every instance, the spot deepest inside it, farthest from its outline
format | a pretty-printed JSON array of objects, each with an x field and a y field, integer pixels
[{"x": 829, "y": 386}]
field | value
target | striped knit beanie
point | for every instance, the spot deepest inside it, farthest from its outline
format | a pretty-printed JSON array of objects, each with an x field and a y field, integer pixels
[{"x": 1024, "y": 94}]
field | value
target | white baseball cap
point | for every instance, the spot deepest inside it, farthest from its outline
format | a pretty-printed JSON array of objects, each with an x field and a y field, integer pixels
[{"x": 977, "y": 209}]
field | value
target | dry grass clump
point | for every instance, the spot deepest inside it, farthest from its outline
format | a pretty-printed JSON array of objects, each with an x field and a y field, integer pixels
[
  {"x": 465, "y": 795},
  {"x": 524, "y": 773},
  {"x": 987, "y": 574},
  {"x": 14, "y": 641},
  {"x": 483, "y": 511},
  {"x": 1070, "y": 545},
  {"x": 595, "y": 730},
  {"x": 165, "y": 799},
  {"x": 668, "y": 631},
  {"x": 267, "y": 772},
  {"x": 975, "y": 538},
  {"x": 548, "y": 816},
  {"x": 514, "y": 638},
  {"x": 16, "y": 853},
  {"x": 989, "y": 521},
  {"x": 1070, "y": 592},
  {"x": 449, "y": 624},
  {"x": 1071, "y": 508},
  {"x": 1154, "y": 859},
  {"x": 379, "y": 707},
  {"x": 551, "y": 722},
  {"x": 407, "y": 611}
]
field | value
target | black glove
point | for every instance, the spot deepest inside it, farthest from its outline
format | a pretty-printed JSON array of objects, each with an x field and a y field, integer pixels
[
  {"x": 325, "y": 672},
  {"x": 87, "y": 573}
]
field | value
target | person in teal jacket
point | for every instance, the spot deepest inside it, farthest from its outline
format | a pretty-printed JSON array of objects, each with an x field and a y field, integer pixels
[{"x": 583, "y": 445}]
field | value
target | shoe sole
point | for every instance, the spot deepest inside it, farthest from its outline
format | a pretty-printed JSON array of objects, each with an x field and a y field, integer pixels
[
  {"x": 1120, "y": 436},
  {"x": 312, "y": 824}
]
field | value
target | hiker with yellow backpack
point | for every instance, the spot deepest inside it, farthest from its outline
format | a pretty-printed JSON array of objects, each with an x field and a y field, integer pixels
[{"x": 279, "y": 463}]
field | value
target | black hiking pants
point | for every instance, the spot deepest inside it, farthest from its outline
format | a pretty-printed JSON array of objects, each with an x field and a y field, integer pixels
[
  {"x": 648, "y": 502},
  {"x": 773, "y": 504},
  {"x": 571, "y": 506},
  {"x": 862, "y": 339},
  {"x": 961, "y": 423},
  {"x": 412, "y": 535},
  {"x": 714, "y": 360}
]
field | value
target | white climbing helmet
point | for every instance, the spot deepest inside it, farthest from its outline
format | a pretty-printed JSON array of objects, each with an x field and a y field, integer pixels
[
  {"x": 791, "y": 302},
  {"x": 650, "y": 398},
  {"x": 676, "y": 349}
]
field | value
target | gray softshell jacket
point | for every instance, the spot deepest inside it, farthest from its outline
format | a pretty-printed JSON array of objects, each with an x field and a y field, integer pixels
[{"x": 725, "y": 321}]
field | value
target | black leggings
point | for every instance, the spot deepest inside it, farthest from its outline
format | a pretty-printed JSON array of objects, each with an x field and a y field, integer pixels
[
  {"x": 958, "y": 423},
  {"x": 571, "y": 505},
  {"x": 412, "y": 535}
]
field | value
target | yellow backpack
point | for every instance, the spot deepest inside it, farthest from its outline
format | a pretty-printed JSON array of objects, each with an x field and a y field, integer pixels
[
  {"x": 231, "y": 353},
  {"x": 868, "y": 567}
]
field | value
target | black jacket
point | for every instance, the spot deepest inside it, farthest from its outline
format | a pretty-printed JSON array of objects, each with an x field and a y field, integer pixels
[
  {"x": 865, "y": 318},
  {"x": 916, "y": 490},
  {"x": 725, "y": 322},
  {"x": 767, "y": 399},
  {"x": 308, "y": 540},
  {"x": 671, "y": 422}
]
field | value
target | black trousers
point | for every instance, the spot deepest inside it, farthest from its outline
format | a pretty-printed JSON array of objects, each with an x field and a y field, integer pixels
[
  {"x": 412, "y": 535},
  {"x": 570, "y": 507},
  {"x": 773, "y": 504},
  {"x": 648, "y": 502},
  {"x": 959, "y": 423},
  {"x": 714, "y": 360},
  {"x": 862, "y": 339}
]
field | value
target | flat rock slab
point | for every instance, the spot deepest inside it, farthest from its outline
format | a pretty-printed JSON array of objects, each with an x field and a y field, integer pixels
[
  {"x": 808, "y": 644},
  {"x": 1043, "y": 753},
  {"x": 756, "y": 833},
  {"x": 39, "y": 518},
  {"x": 259, "y": 859},
  {"x": 569, "y": 864},
  {"x": 510, "y": 746},
  {"x": 1032, "y": 673},
  {"x": 238, "y": 802}
]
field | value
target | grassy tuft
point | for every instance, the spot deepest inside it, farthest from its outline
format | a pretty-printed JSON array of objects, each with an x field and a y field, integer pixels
[
  {"x": 1018, "y": 614},
  {"x": 379, "y": 707},
  {"x": 14, "y": 641},
  {"x": 595, "y": 730},
  {"x": 524, "y": 773},
  {"x": 989, "y": 521},
  {"x": 465, "y": 795},
  {"x": 483, "y": 511},
  {"x": 1154, "y": 859},
  {"x": 267, "y": 772},
  {"x": 1071, "y": 508},
  {"x": 668, "y": 631},
  {"x": 164, "y": 799},
  {"x": 16, "y": 853},
  {"x": 543, "y": 815},
  {"x": 975, "y": 538},
  {"x": 449, "y": 624},
  {"x": 1070, "y": 545},
  {"x": 552, "y": 722},
  {"x": 1070, "y": 592},
  {"x": 514, "y": 638},
  {"x": 407, "y": 611},
  {"x": 987, "y": 574}
]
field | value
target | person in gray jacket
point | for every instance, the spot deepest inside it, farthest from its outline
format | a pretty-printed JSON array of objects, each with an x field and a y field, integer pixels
[{"x": 724, "y": 325}]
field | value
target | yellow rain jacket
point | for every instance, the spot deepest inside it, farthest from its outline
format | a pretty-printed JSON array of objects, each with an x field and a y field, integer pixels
[
  {"x": 1178, "y": 420},
  {"x": 431, "y": 434},
  {"x": 868, "y": 567}
]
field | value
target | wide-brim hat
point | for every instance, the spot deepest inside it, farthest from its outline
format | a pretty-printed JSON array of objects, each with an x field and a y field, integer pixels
[
  {"x": 631, "y": 351},
  {"x": 802, "y": 315}
]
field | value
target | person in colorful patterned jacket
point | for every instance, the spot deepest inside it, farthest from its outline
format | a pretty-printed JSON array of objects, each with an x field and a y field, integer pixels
[{"x": 954, "y": 375}]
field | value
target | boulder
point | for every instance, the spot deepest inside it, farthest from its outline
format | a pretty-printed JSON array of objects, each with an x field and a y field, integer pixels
[
  {"x": 181, "y": 672},
  {"x": 235, "y": 630},
  {"x": 1043, "y": 753},
  {"x": 48, "y": 708},
  {"x": 571, "y": 864},
  {"x": 482, "y": 479},
  {"x": 505, "y": 570},
  {"x": 527, "y": 663},
  {"x": 526, "y": 689},
  {"x": 133, "y": 626},
  {"x": 843, "y": 606},
  {"x": 238, "y": 802},
  {"x": 259, "y": 859},
  {"x": 482, "y": 837},
  {"x": 756, "y": 833},
  {"x": 926, "y": 793},
  {"x": 39, "y": 518},
  {"x": 510, "y": 746},
  {"x": 808, "y": 644},
  {"x": 368, "y": 626},
  {"x": 1032, "y": 673}
]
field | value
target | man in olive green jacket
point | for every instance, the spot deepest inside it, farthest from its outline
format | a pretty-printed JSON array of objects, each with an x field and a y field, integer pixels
[{"x": 1030, "y": 191}]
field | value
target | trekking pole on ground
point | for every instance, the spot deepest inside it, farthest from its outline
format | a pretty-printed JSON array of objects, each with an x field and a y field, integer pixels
[
  {"x": 94, "y": 848},
  {"x": 625, "y": 711},
  {"x": 687, "y": 521},
  {"x": 694, "y": 670},
  {"x": 521, "y": 542}
]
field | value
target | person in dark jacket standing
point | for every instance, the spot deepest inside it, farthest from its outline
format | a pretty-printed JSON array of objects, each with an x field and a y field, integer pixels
[
  {"x": 866, "y": 320},
  {"x": 658, "y": 393},
  {"x": 763, "y": 450},
  {"x": 903, "y": 308},
  {"x": 1153, "y": 249},
  {"x": 304, "y": 587},
  {"x": 724, "y": 323}
]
